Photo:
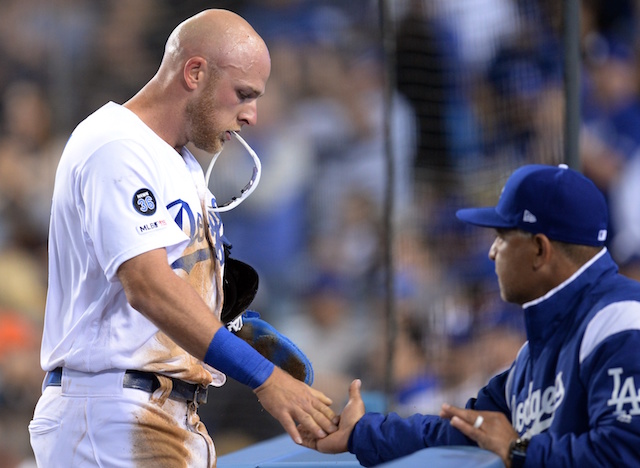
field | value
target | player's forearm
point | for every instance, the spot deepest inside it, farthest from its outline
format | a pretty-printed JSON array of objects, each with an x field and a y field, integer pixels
[{"x": 154, "y": 290}]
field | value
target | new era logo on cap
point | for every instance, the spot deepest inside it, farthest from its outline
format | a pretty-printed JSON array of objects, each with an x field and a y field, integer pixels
[{"x": 529, "y": 217}]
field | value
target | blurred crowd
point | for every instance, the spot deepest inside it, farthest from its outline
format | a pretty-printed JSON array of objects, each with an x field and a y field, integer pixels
[{"x": 478, "y": 90}]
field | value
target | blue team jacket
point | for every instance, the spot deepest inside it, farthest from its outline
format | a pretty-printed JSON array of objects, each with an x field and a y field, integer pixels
[{"x": 573, "y": 388}]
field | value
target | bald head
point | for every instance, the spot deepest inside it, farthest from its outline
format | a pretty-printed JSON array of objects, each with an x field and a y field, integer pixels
[
  {"x": 215, "y": 66},
  {"x": 222, "y": 37}
]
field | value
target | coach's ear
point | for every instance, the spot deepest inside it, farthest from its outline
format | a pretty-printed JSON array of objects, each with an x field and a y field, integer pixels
[{"x": 543, "y": 251}]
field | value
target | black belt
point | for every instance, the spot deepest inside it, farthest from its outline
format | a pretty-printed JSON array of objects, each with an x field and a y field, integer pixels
[{"x": 146, "y": 381}]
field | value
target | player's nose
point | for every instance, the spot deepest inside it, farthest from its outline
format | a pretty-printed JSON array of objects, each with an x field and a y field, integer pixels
[{"x": 249, "y": 113}]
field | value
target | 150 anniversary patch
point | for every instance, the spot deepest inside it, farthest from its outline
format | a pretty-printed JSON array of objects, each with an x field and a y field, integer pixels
[{"x": 144, "y": 202}]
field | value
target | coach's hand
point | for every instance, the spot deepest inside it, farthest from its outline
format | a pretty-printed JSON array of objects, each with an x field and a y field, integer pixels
[
  {"x": 338, "y": 441},
  {"x": 291, "y": 401},
  {"x": 490, "y": 429}
]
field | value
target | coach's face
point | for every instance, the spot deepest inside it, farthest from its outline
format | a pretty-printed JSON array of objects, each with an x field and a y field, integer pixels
[
  {"x": 228, "y": 100},
  {"x": 513, "y": 252}
]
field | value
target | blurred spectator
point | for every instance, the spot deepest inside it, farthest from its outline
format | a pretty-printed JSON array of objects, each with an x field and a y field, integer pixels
[
  {"x": 20, "y": 372},
  {"x": 477, "y": 45},
  {"x": 49, "y": 42},
  {"x": 611, "y": 108},
  {"x": 625, "y": 210},
  {"x": 124, "y": 52},
  {"x": 610, "y": 136},
  {"x": 29, "y": 154},
  {"x": 335, "y": 340},
  {"x": 345, "y": 114},
  {"x": 525, "y": 81},
  {"x": 22, "y": 296},
  {"x": 423, "y": 58},
  {"x": 20, "y": 383},
  {"x": 22, "y": 283},
  {"x": 302, "y": 22},
  {"x": 351, "y": 250}
]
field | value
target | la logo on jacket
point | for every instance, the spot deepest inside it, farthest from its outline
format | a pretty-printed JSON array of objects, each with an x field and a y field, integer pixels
[{"x": 624, "y": 393}]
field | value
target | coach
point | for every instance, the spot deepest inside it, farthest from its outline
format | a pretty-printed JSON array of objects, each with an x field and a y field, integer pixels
[{"x": 571, "y": 396}]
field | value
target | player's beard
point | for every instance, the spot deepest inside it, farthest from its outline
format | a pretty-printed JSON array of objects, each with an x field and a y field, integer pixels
[{"x": 206, "y": 133}]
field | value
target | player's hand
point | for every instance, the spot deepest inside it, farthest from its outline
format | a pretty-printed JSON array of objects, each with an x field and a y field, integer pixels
[
  {"x": 291, "y": 401},
  {"x": 495, "y": 433},
  {"x": 337, "y": 442}
]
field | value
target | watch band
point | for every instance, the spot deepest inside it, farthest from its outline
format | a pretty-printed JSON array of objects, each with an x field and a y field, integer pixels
[{"x": 518, "y": 452}]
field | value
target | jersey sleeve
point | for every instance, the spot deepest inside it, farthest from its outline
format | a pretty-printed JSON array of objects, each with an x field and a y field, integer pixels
[{"x": 122, "y": 203}]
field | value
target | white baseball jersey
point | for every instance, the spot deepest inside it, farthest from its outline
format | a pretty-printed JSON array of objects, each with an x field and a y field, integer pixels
[{"x": 121, "y": 191}]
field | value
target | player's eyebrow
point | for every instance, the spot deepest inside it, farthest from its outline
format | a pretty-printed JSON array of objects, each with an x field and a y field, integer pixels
[{"x": 251, "y": 92}]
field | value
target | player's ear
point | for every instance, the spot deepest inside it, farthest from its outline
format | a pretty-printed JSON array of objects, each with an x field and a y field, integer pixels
[{"x": 194, "y": 72}]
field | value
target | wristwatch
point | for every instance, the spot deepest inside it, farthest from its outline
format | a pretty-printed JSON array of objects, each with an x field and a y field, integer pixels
[{"x": 518, "y": 452}]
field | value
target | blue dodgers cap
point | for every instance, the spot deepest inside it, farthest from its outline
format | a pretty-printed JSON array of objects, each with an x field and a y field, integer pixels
[{"x": 558, "y": 202}]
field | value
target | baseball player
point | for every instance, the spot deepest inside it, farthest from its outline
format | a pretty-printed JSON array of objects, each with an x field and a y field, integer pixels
[
  {"x": 571, "y": 396},
  {"x": 132, "y": 335}
]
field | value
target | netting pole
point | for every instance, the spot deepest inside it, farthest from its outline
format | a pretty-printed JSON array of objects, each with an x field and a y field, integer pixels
[
  {"x": 388, "y": 43},
  {"x": 571, "y": 28}
]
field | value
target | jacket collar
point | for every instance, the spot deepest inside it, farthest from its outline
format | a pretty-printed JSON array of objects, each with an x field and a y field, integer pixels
[{"x": 544, "y": 316}]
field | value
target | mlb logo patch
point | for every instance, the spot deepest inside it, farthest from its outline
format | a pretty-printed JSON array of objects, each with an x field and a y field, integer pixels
[{"x": 154, "y": 226}]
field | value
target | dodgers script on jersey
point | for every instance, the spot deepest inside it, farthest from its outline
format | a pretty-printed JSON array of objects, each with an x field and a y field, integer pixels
[{"x": 119, "y": 194}]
